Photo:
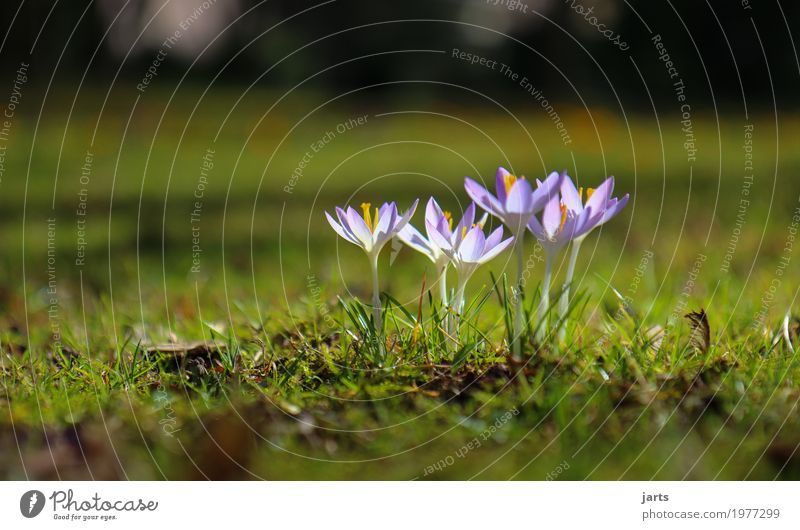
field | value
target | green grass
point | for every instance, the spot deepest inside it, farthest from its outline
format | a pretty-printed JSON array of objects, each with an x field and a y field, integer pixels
[{"x": 279, "y": 381}]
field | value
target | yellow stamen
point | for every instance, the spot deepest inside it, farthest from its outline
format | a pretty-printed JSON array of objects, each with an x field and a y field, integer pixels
[
  {"x": 449, "y": 217},
  {"x": 563, "y": 217},
  {"x": 365, "y": 206},
  {"x": 580, "y": 193},
  {"x": 589, "y": 193},
  {"x": 463, "y": 232},
  {"x": 509, "y": 181}
]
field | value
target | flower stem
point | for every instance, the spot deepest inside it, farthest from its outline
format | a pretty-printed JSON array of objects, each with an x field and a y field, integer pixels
[
  {"x": 544, "y": 303},
  {"x": 443, "y": 294},
  {"x": 376, "y": 295},
  {"x": 443, "y": 285},
  {"x": 519, "y": 318},
  {"x": 564, "y": 306},
  {"x": 458, "y": 306}
]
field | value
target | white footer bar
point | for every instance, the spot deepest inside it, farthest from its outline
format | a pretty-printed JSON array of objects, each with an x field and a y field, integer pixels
[{"x": 401, "y": 505}]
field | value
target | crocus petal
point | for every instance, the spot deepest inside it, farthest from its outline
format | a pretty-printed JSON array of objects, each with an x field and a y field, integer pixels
[
  {"x": 341, "y": 231},
  {"x": 568, "y": 231},
  {"x": 439, "y": 239},
  {"x": 467, "y": 220},
  {"x": 551, "y": 218},
  {"x": 433, "y": 213},
  {"x": 387, "y": 216},
  {"x": 386, "y": 228},
  {"x": 601, "y": 196},
  {"x": 520, "y": 198},
  {"x": 497, "y": 249},
  {"x": 549, "y": 187},
  {"x": 494, "y": 238},
  {"x": 414, "y": 239},
  {"x": 500, "y": 183},
  {"x": 471, "y": 247},
  {"x": 359, "y": 228},
  {"x": 585, "y": 222},
  {"x": 345, "y": 224},
  {"x": 536, "y": 228},
  {"x": 403, "y": 221},
  {"x": 570, "y": 195},
  {"x": 485, "y": 200},
  {"x": 615, "y": 208}
]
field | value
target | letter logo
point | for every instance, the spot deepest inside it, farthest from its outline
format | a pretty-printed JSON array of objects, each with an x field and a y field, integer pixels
[{"x": 31, "y": 503}]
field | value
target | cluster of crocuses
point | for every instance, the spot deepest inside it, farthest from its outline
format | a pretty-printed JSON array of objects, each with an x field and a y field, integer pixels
[{"x": 565, "y": 217}]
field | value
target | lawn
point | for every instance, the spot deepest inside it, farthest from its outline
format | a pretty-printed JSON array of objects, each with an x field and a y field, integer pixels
[{"x": 173, "y": 301}]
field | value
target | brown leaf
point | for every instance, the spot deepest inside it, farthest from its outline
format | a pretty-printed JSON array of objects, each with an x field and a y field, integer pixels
[{"x": 700, "y": 336}]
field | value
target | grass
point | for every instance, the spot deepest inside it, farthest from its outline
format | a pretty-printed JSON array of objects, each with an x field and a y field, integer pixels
[{"x": 263, "y": 364}]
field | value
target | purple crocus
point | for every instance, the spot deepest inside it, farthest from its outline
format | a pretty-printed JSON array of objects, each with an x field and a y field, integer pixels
[
  {"x": 442, "y": 220},
  {"x": 435, "y": 216},
  {"x": 515, "y": 200},
  {"x": 371, "y": 233},
  {"x": 603, "y": 207},
  {"x": 515, "y": 203},
  {"x": 467, "y": 248}
]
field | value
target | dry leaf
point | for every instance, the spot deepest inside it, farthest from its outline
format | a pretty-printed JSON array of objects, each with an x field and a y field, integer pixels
[{"x": 700, "y": 337}]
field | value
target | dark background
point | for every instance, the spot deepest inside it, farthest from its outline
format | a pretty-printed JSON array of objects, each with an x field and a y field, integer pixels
[{"x": 719, "y": 46}]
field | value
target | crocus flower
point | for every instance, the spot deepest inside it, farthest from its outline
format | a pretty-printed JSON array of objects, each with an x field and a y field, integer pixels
[
  {"x": 412, "y": 237},
  {"x": 603, "y": 207},
  {"x": 371, "y": 233},
  {"x": 515, "y": 203},
  {"x": 443, "y": 221},
  {"x": 558, "y": 227},
  {"x": 515, "y": 200},
  {"x": 467, "y": 248}
]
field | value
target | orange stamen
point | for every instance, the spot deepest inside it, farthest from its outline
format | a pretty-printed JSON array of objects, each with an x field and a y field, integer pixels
[{"x": 509, "y": 181}]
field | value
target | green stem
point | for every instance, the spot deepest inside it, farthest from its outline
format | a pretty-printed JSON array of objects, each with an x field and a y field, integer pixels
[
  {"x": 564, "y": 305},
  {"x": 519, "y": 318},
  {"x": 376, "y": 294},
  {"x": 544, "y": 303},
  {"x": 443, "y": 285},
  {"x": 458, "y": 306}
]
